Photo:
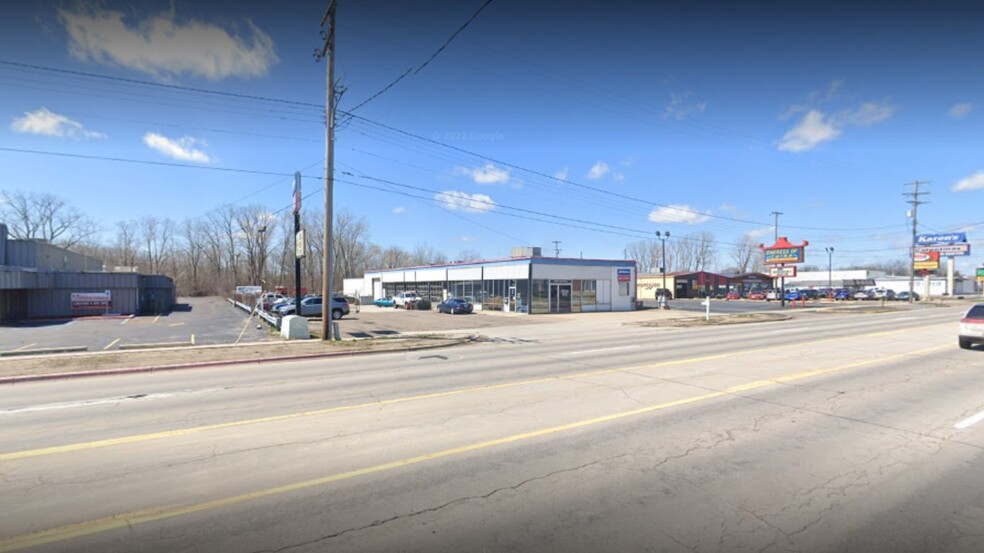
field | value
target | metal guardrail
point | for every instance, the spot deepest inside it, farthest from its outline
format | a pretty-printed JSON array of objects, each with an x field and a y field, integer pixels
[{"x": 271, "y": 320}]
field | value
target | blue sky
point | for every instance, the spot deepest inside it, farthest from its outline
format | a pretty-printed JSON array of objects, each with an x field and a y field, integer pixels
[{"x": 624, "y": 119}]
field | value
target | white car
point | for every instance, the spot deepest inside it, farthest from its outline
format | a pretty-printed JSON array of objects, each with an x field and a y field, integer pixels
[
  {"x": 972, "y": 327},
  {"x": 404, "y": 299}
]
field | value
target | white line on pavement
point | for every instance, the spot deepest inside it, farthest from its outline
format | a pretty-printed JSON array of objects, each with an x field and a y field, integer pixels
[
  {"x": 970, "y": 421},
  {"x": 785, "y": 330},
  {"x": 599, "y": 350}
]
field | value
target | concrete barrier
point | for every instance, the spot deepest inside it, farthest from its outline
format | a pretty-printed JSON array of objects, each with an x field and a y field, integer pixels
[{"x": 43, "y": 351}]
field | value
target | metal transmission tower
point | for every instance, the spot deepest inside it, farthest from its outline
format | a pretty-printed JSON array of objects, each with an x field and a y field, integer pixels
[
  {"x": 915, "y": 225},
  {"x": 328, "y": 52}
]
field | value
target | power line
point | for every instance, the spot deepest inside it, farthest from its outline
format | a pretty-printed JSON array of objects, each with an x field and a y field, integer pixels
[{"x": 426, "y": 63}]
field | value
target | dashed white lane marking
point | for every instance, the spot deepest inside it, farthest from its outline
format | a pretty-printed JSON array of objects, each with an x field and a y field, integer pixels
[{"x": 970, "y": 421}]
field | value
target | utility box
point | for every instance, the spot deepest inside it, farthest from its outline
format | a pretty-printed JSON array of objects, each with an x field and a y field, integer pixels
[{"x": 295, "y": 327}]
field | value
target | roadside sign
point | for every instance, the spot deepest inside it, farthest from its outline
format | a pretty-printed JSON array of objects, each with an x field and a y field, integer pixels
[
  {"x": 980, "y": 272},
  {"x": 299, "y": 245},
  {"x": 941, "y": 238},
  {"x": 785, "y": 272},
  {"x": 946, "y": 249},
  {"x": 783, "y": 251},
  {"x": 926, "y": 261},
  {"x": 91, "y": 300},
  {"x": 624, "y": 275},
  {"x": 247, "y": 290}
]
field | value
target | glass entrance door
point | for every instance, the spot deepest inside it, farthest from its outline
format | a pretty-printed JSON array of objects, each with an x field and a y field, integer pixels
[{"x": 560, "y": 298}]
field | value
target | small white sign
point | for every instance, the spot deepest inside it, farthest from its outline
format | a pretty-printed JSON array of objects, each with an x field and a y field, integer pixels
[{"x": 245, "y": 290}]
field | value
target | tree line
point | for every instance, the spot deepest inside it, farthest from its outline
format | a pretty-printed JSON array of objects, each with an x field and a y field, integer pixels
[{"x": 211, "y": 254}]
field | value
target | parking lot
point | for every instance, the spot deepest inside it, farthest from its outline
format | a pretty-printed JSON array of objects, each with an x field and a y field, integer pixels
[{"x": 213, "y": 320}]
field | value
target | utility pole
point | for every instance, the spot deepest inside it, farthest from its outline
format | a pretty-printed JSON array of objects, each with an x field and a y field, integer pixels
[
  {"x": 328, "y": 51},
  {"x": 556, "y": 244},
  {"x": 915, "y": 225},
  {"x": 830, "y": 270},
  {"x": 298, "y": 243},
  {"x": 782, "y": 279},
  {"x": 661, "y": 297},
  {"x": 776, "y": 214}
]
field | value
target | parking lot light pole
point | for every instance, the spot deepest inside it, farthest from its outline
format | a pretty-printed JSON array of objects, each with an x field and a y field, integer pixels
[
  {"x": 830, "y": 258},
  {"x": 662, "y": 267}
]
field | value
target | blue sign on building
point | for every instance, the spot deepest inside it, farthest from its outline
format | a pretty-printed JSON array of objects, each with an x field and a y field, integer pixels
[{"x": 942, "y": 238}]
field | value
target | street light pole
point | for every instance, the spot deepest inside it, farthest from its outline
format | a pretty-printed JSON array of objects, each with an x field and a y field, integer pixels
[
  {"x": 830, "y": 258},
  {"x": 662, "y": 267}
]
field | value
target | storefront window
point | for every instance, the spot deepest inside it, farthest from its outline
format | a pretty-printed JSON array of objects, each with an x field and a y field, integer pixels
[{"x": 540, "y": 296}]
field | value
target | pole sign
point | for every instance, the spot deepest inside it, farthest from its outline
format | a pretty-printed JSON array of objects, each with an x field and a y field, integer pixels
[
  {"x": 945, "y": 249},
  {"x": 91, "y": 300},
  {"x": 297, "y": 192},
  {"x": 624, "y": 275},
  {"x": 248, "y": 290},
  {"x": 299, "y": 244},
  {"x": 783, "y": 251},
  {"x": 786, "y": 272},
  {"x": 926, "y": 261},
  {"x": 941, "y": 238},
  {"x": 980, "y": 272}
]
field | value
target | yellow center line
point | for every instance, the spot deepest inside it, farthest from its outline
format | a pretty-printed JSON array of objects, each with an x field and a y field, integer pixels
[
  {"x": 111, "y": 344},
  {"x": 161, "y": 513},
  {"x": 122, "y": 440},
  {"x": 26, "y": 346},
  {"x": 172, "y": 325}
]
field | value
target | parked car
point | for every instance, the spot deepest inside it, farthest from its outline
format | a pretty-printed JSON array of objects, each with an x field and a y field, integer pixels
[
  {"x": 665, "y": 293},
  {"x": 771, "y": 295},
  {"x": 842, "y": 294},
  {"x": 312, "y": 307},
  {"x": 455, "y": 306},
  {"x": 972, "y": 327},
  {"x": 384, "y": 302},
  {"x": 881, "y": 294},
  {"x": 904, "y": 296},
  {"x": 810, "y": 293},
  {"x": 268, "y": 299},
  {"x": 403, "y": 299},
  {"x": 794, "y": 295},
  {"x": 733, "y": 296},
  {"x": 861, "y": 295},
  {"x": 756, "y": 295}
]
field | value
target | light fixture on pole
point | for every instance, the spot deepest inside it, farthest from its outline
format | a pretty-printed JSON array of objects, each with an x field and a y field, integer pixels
[
  {"x": 662, "y": 267},
  {"x": 830, "y": 280}
]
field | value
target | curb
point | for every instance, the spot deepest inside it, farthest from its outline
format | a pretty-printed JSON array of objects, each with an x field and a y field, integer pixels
[
  {"x": 43, "y": 351},
  {"x": 205, "y": 364}
]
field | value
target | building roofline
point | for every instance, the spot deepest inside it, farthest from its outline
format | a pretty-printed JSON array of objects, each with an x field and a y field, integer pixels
[{"x": 507, "y": 260}]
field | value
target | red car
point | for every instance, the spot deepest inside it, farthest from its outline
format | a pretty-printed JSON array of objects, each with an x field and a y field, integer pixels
[
  {"x": 756, "y": 295},
  {"x": 733, "y": 296}
]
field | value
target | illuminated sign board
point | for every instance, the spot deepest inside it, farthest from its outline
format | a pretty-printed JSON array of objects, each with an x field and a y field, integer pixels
[
  {"x": 926, "y": 261},
  {"x": 786, "y": 272},
  {"x": 941, "y": 238},
  {"x": 945, "y": 249}
]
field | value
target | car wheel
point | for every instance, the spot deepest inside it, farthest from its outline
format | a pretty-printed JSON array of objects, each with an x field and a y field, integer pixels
[
  {"x": 336, "y": 314},
  {"x": 964, "y": 343}
]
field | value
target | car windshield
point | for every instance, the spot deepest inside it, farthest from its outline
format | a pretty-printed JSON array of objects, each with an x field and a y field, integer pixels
[{"x": 976, "y": 312}]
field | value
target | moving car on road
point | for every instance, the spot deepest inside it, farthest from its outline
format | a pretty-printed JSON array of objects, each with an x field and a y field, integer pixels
[
  {"x": 454, "y": 306},
  {"x": 972, "y": 327}
]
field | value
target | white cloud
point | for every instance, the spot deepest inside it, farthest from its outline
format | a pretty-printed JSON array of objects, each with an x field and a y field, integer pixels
[
  {"x": 962, "y": 110},
  {"x": 462, "y": 201},
  {"x": 813, "y": 129},
  {"x": 760, "y": 232},
  {"x": 680, "y": 108},
  {"x": 182, "y": 148},
  {"x": 486, "y": 174},
  {"x": 46, "y": 122},
  {"x": 399, "y": 210},
  {"x": 162, "y": 45},
  {"x": 868, "y": 113},
  {"x": 618, "y": 176},
  {"x": 562, "y": 174},
  {"x": 678, "y": 214},
  {"x": 598, "y": 170},
  {"x": 467, "y": 238},
  {"x": 973, "y": 182},
  {"x": 814, "y": 98}
]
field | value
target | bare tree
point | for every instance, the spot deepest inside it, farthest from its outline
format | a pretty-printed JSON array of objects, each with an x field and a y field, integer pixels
[
  {"x": 646, "y": 254},
  {"x": 394, "y": 257},
  {"x": 693, "y": 252},
  {"x": 157, "y": 235},
  {"x": 126, "y": 247},
  {"x": 43, "y": 216},
  {"x": 468, "y": 255},
  {"x": 352, "y": 247},
  {"x": 744, "y": 254},
  {"x": 426, "y": 255}
]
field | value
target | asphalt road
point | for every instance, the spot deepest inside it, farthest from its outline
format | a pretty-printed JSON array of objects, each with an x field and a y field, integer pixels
[{"x": 829, "y": 432}]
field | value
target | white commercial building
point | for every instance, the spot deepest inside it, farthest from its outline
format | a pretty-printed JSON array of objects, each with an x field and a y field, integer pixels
[
  {"x": 862, "y": 279},
  {"x": 529, "y": 284}
]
